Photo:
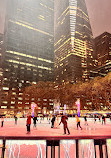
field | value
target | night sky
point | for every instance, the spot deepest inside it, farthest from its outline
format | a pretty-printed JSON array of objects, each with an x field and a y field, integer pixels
[
  {"x": 2, "y": 14},
  {"x": 99, "y": 13}
]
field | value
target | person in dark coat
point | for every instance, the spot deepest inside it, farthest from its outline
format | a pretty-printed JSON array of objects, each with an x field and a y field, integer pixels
[
  {"x": 16, "y": 119},
  {"x": 34, "y": 121},
  {"x": 52, "y": 121},
  {"x": 94, "y": 118},
  {"x": 2, "y": 121},
  {"x": 64, "y": 119},
  {"x": 28, "y": 123},
  {"x": 103, "y": 120},
  {"x": 85, "y": 119},
  {"x": 110, "y": 117}
]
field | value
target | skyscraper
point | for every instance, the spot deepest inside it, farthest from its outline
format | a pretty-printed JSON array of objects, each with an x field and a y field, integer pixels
[
  {"x": 28, "y": 39},
  {"x": 73, "y": 41},
  {"x": 103, "y": 55},
  {"x": 103, "y": 48},
  {"x": 1, "y": 59}
]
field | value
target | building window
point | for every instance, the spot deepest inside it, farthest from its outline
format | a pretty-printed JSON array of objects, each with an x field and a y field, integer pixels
[
  {"x": 12, "y": 107},
  {"x": 12, "y": 102},
  {"x": 5, "y": 88},
  {"x": 3, "y": 107},
  {"x": 20, "y": 98}
]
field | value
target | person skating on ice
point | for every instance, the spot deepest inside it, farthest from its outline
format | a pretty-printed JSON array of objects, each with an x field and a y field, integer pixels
[
  {"x": 64, "y": 119},
  {"x": 28, "y": 123},
  {"x": 34, "y": 121},
  {"x": 78, "y": 122},
  {"x": 2, "y": 121},
  {"x": 52, "y": 121},
  {"x": 85, "y": 119}
]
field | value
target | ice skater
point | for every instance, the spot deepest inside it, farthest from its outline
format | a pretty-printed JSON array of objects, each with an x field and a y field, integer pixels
[
  {"x": 99, "y": 118},
  {"x": 78, "y": 122},
  {"x": 110, "y": 117},
  {"x": 2, "y": 121},
  {"x": 50, "y": 118},
  {"x": 52, "y": 121},
  {"x": 15, "y": 120},
  {"x": 28, "y": 123},
  {"x": 103, "y": 120},
  {"x": 64, "y": 119},
  {"x": 57, "y": 122},
  {"x": 94, "y": 118},
  {"x": 85, "y": 119},
  {"x": 34, "y": 121}
]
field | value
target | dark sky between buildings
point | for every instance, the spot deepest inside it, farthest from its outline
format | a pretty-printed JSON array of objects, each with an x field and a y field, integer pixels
[{"x": 99, "y": 13}]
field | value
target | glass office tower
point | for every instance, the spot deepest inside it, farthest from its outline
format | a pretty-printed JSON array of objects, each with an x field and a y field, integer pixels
[
  {"x": 73, "y": 41},
  {"x": 102, "y": 49},
  {"x": 1, "y": 61},
  {"x": 29, "y": 46}
]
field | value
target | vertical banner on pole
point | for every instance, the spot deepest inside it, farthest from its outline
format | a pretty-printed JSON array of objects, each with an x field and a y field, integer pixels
[
  {"x": 64, "y": 112},
  {"x": 33, "y": 105},
  {"x": 56, "y": 106},
  {"x": 78, "y": 107}
]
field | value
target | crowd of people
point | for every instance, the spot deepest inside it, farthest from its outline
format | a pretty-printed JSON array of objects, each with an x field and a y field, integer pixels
[
  {"x": 54, "y": 119},
  {"x": 55, "y": 123}
]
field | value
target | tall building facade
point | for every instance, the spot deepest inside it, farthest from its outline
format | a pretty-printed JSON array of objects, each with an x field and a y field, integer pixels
[
  {"x": 29, "y": 48},
  {"x": 102, "y": 49},
  {"x": 73, "y": 41},
  {"x": 1, "y": 61}
]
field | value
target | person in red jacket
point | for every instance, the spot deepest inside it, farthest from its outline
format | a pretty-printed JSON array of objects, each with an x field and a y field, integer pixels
[
  {"x": 64, "y": 119},
  {"x": 28, "y": 123}
]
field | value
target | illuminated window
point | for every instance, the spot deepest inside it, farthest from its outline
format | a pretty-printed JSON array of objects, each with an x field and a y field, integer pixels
[
  {"x": 13, "y": 88},
  {"x": 12, "y": 102},
  {"x": 27, "y": 103},
  {"x": 50, "y": 103},
  {"x": 5, "y": 88},
  {"x": 20, "y": 98},
  {"x": 3, "y": 107},
  {"x": 19, "y": 102},
  {"x": 40, "y": 75},
  {"x": 27, "y": 81},
  {"x": 20, "y": 93},
  {"x": 5, "y": 102},
  {"x": 26, "y": 108},
  {"x": 12, "y": 107}
]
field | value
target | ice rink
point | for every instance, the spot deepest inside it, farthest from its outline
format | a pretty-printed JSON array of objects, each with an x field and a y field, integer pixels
[{"x": 44, "y": 128}]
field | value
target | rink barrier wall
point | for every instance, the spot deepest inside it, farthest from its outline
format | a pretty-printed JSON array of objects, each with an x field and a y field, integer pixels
[{"x": 54, "y": 141}]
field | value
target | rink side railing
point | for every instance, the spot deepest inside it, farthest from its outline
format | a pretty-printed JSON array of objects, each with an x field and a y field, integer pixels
[{"x": 55, "y": 142}]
